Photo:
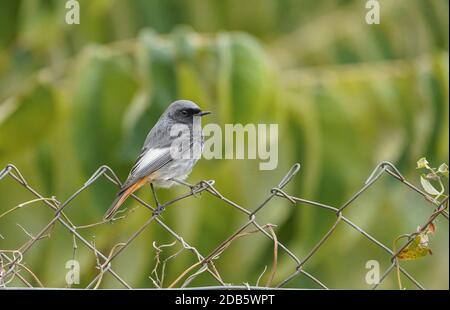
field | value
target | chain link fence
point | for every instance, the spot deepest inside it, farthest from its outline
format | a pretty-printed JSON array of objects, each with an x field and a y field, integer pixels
[{"x": 13, "y": 261}]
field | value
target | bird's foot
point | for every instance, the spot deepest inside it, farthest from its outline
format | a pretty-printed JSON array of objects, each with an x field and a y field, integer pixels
[{"x": 159, "y": 209}]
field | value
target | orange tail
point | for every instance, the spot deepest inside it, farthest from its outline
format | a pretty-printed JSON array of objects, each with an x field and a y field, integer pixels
[{"x": 121, "y": 197}]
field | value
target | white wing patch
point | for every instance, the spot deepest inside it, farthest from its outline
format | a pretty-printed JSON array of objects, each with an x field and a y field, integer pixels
[{"x": 151, "y": 156}]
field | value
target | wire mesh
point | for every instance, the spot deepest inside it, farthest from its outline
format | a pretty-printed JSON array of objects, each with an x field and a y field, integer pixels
[{"x": 13, "y": 266}]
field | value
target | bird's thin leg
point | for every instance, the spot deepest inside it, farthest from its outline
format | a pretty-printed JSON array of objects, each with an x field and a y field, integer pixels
[{"x": 159, "y": 207}]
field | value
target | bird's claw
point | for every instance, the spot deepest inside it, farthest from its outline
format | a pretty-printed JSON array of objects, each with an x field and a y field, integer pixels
[{"x": 159, "y": 209}]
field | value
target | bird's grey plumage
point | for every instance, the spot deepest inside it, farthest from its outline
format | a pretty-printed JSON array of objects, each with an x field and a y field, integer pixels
[
  {"x": 155, "y": 154},
  {"x": 157, "y": 162}
]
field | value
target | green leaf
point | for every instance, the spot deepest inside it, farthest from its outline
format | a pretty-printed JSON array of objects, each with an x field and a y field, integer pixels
[
  {"x": 8, "y": 25},
  {"x": 104, "y": 87},
  {"x": 428, "y": 187},
  {"x": 25, "y": 120},
  {"x": 251, "y": 78}
]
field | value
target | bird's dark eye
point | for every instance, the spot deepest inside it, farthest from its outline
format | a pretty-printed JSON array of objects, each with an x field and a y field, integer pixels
[{"x": 184, "y": 112}]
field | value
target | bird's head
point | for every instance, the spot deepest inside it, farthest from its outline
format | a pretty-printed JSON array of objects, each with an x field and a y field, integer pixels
[{"x": 183, "y": 111}]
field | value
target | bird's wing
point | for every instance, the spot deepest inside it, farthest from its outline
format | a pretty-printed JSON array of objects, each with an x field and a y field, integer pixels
[
  {"x": 149, "y": 161},
  {"x": 152, "y": 159}
]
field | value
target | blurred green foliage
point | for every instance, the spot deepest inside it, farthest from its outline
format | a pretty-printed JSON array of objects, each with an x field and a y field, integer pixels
[{"x": 345, "y": 94}]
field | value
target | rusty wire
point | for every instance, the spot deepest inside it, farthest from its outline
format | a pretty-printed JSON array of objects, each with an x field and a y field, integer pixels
[{"x": 12, "y": 261}]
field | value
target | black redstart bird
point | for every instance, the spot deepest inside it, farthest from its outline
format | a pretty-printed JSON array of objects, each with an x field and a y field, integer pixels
[{"x": 165, "y": 158}]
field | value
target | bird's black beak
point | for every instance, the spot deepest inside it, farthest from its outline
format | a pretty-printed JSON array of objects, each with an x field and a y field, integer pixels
[{"x": 203, "y": 113}]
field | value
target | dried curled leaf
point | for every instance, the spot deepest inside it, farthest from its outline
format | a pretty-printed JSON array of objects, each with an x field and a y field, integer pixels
[
  {"x": 419, "y": 247},
  {"x": 431, "y": 228}
]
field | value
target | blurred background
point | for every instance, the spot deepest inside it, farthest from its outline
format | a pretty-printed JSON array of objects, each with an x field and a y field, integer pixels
[{"x": 346, "y": 95}]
